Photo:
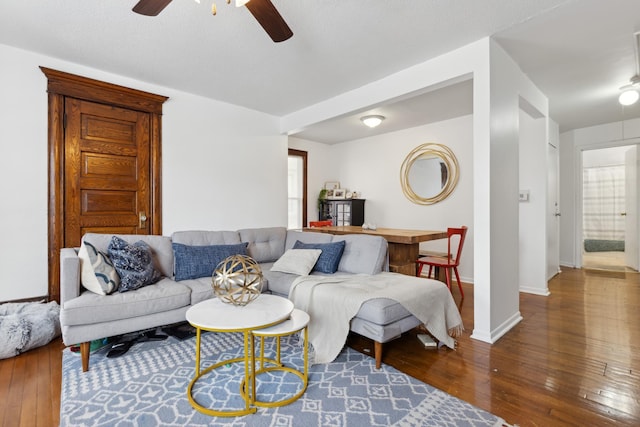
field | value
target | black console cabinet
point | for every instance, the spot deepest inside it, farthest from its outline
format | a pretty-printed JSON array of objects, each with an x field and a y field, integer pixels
[{"x": 342, "y": 211}]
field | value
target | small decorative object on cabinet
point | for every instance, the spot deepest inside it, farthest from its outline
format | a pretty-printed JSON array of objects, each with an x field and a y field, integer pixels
[{"x": 342, "y": 212}]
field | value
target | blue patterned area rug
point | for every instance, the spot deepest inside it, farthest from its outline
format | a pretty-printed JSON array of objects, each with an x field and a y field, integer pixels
[{"x": 147, "y": 387}]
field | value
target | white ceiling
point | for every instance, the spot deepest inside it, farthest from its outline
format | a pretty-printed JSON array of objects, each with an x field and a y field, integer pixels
[{"x": 578, "y": 52}]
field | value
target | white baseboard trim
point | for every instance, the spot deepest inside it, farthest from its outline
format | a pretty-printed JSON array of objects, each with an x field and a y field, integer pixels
[
  {"x": 498, "y": 332},
  {"x": 535, "y": 291}
]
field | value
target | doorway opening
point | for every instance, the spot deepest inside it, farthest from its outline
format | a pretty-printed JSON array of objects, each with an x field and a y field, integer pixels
[
  {"x": 609, "y": 214},
  {"x": 297, "y": 189}
]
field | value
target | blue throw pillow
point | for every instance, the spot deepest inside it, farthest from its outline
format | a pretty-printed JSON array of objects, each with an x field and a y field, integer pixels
[
  {"x": 193, "y": 262},
  {"x": 329, "y": 258},
  {"x": 134, "y": 264}
]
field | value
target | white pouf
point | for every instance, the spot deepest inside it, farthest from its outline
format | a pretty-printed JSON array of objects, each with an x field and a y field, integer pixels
[{"x": 28, "y": 325}]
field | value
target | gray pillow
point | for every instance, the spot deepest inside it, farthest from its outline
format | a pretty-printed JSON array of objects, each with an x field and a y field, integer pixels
[{"x": 134, "y": 264}]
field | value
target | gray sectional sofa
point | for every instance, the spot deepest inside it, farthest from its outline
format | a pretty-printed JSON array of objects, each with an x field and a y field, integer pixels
[{"x": 86, "y": 316}]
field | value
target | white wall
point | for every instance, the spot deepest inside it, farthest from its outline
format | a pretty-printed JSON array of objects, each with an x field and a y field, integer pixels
[
  {"x": 224, "y": 167},
  {"x": 572, "y": 143},
  {"x": 533, "y": 213},
  {"x": 372, "y": 165}
]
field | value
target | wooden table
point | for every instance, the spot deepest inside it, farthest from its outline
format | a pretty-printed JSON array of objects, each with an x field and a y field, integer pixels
[{"x": 404, "y": 245}]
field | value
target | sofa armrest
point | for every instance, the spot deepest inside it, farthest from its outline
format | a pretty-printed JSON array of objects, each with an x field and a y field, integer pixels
[{"x": 69, "y": 275}]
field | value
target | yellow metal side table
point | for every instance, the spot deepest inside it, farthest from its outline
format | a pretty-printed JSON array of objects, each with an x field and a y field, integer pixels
[
  {"x": 216, "y": 316},
  {"x": 296, "y": 323}
]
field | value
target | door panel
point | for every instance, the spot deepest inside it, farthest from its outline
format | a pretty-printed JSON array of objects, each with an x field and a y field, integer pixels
[{"x": 107, "y": 174}]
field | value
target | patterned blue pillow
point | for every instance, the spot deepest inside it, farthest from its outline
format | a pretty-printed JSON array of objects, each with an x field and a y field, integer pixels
[
  {"x": 193, "y": 262},
  {"x": 329, "y": 258},
  {"x": 134, "y": 264}
]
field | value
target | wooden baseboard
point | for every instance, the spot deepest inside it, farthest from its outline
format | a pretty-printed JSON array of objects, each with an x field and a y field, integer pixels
[{"x": 33, "y": 299}]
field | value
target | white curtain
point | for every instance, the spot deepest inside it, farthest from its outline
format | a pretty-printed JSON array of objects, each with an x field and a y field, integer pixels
[{"x": 603, "y": 202}]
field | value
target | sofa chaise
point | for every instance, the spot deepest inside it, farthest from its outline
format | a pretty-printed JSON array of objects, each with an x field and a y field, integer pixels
[{"x": 87, "y": 316}]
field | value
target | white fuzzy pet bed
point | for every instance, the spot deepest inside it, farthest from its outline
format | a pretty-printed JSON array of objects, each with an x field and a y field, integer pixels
[{"x": 24, "y": 326}]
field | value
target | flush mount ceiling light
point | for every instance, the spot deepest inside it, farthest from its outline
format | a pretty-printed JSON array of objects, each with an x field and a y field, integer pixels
[
  {"x": 630, "y": 95},
  {"x": 372, "y": 121}
]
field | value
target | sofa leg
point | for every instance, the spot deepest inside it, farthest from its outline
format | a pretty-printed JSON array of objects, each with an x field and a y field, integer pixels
[
  {"x": 377, "y": 351},
  {"x": 85, "y": 350}
]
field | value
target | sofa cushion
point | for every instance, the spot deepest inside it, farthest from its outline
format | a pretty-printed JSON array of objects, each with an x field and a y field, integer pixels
[
  {"x": 97, "y": 271},
  {"x": 362, "y": 254},
  {"x": 382, "y": 311},
  {"x": 297, "y": 261},
  {"x": 193, "y": 262},
  {"x": 276, "y": 282},
  {"x": 134, "y": 264},
  {"x": 205, "y": 238},
  {"x": 90, "y": 308},
  {"x": 160, "y": 246},
  {"x": 265, "y": 244},
  {"x": 306, "y": 237},
  {"x": 330, "y": 256},
  {"x": 201, "y": 289}
]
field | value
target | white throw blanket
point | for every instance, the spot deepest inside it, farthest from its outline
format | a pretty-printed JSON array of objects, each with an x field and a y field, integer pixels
[{"x": 332, "y": 301}]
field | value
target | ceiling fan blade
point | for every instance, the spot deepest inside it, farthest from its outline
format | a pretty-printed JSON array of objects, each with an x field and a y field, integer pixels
[
  {"x": 268, "y": 16},
  {"x": 150, "y": 7}
]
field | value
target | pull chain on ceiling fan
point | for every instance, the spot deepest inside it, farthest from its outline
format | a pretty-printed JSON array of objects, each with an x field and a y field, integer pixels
[{"x": 262, "y": 10}]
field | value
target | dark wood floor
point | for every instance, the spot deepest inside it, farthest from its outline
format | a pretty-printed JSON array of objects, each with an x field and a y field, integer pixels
[{"x": 573, "y": 360}]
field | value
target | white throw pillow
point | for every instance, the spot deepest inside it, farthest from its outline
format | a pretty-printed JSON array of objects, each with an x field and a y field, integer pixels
[
  {"x": 297, "y": 261},
  {"x": 97, "y": 272}
]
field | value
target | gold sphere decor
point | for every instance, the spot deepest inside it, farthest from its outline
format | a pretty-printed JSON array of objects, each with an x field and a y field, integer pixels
[{"x": 237, "y": 280}]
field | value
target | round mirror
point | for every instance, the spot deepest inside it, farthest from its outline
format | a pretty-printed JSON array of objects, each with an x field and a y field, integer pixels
[{"x": 429, "y": 173}]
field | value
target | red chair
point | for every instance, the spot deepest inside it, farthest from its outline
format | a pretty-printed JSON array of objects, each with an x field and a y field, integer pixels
[{"x": 449, "y": 262}]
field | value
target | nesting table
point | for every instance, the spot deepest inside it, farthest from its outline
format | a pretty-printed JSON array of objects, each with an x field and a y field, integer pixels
[{"x": 265, "y": 311}]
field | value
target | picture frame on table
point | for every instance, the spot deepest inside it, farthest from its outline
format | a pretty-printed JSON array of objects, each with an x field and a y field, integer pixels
[
  {"x": 329, "y": 194},
  {"x": 339, "y": 193}
]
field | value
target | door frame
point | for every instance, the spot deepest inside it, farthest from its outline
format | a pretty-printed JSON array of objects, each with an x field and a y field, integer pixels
[
  {"x": 578, "y": 186},
  {"x": 303, "y": 155},
  {"x": 59, "y": 86}
]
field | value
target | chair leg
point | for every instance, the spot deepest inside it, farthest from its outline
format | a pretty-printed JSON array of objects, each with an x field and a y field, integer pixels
[
  {"x": 430, "y": 270},
  {"x": 447, "y": 273},
  {"x": 419, "y": 269},
  {"x": 377, "y": 351},
  {"x": 85, "y": 350},
  {"x": 455, "y": 270}
]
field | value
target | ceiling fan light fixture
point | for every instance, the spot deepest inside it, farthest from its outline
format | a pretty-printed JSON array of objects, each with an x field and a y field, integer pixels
[
  {"x": 372, "y": 120},
  {"x": 629, "y": 97}
]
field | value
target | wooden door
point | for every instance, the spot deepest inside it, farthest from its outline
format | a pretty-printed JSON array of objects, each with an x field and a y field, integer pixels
[
  {"x": 107, "y": 170},
  {"x": 104, "y": 160}
]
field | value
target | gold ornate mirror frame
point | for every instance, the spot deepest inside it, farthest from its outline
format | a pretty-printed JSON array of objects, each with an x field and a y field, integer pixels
[{"x": 426, "y": 151}]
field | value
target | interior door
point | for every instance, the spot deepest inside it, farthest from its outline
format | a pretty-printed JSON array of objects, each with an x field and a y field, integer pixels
[
  {"x": 631, "y": 252},
  {"x": 553, "y": 213},
  {"x": 107, "y": 170}
]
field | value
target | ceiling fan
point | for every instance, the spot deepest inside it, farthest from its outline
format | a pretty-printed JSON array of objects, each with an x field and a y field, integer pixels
[{"x": 263, "y": 10}]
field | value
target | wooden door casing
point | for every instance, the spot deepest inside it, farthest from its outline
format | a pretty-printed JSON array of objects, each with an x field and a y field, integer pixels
[{"x": 60, "y": 87}]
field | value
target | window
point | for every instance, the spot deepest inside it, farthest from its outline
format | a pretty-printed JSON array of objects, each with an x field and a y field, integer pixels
[{"x": 297, "y": 189}]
